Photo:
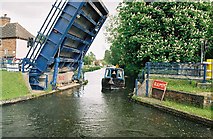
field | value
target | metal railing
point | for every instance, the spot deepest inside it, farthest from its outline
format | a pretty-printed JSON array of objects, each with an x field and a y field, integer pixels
[
  {"x": 44, "y": 32},
  {"x": 175, "y": 70},
  {"x": 10, "y": 64},
  {"x": 184, "y": 69}
]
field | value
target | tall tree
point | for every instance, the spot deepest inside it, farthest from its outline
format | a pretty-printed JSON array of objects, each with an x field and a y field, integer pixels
[
  {"x": 159, "y": 32},
  {"x": 107, "y": 57}
]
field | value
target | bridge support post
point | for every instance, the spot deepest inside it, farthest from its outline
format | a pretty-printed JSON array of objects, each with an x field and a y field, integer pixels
[
  {"x": 204, "y": 72},
  {"x": 55, "y": 73},
  {"x": 80, "y": 69},
  {"x": 81, "y": 63},
  {"x": 147, "y": 78},
  {"x": 23, "y": 64}
]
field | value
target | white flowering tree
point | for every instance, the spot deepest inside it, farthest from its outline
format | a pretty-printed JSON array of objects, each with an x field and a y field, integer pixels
[{"x": 159, "y": 32}]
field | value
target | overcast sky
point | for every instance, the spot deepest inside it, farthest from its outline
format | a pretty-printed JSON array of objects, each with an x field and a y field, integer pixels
[{"x": 32, "y": 13}]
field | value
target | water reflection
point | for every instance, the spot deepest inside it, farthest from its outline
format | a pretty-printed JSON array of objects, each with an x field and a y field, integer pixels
[{"x": 88, "y": 112}]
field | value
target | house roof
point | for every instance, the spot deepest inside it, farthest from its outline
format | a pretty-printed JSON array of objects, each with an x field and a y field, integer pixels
[{"x": 14, "y": 30}]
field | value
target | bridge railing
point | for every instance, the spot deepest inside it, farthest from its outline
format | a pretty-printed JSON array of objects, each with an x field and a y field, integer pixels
[
  {"x": 184, "y": 69},
  {"x": 192, "y": 71},
  {"x": 44, "y": 32}
]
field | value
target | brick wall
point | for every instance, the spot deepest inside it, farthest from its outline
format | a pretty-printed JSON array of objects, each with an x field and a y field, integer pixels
[
  {"x": 198, "y": 100},
  {"x": 10, "y": 45},
  {"x": 181, "y": 97}
]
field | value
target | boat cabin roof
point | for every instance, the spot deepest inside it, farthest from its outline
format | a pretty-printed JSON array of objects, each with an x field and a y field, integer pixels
[
  {"x": 111, "y": 68},
  {"x": 112, "y": 72}
]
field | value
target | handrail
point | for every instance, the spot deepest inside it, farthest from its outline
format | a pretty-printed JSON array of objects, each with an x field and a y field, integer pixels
[
  {"x": 43, "y": 33},
  {"x": 45, "y": 30},
  {"x": 41, "y": 27},
  {"x": 48, "y": 33}
]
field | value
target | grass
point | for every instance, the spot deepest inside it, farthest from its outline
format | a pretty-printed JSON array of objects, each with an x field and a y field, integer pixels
[
  {"x": 12, "y": 84},
  {"x": 183, "y": 85},
  {"x": 205, "y": 112},
  {"x": 49, "y": 88},
  {"x": 202, "y": 112}
]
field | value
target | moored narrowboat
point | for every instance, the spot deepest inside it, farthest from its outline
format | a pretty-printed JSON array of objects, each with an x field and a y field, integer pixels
[{"x": 113, "y": 78}]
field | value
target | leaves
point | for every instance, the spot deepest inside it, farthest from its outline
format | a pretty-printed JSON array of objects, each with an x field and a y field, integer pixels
[
  {"x": 159, "y": 32},
  {"x": 89, "y": 58}
]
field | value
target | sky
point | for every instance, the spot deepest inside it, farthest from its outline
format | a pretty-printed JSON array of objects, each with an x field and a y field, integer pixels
[{"x": 31, "y": 14}]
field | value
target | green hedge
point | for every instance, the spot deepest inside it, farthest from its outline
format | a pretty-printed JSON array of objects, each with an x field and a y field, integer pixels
[{"x": 91, "y": 68}]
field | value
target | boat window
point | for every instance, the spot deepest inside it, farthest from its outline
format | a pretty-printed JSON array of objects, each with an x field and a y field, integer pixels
[
  {"x": 114, "y": 72},
  {"x": 107, "y": 74},
  {"x": 120, "y": 75}
]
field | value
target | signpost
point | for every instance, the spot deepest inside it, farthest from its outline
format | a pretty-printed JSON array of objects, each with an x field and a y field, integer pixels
[{"x": 161, "y": 85}]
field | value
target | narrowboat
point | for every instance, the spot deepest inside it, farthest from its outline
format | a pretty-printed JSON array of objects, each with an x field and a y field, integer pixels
[{"x": 113, "y": 78}]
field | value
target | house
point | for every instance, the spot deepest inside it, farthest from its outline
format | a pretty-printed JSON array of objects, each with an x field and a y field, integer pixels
[{"x": 13, "y": 39}]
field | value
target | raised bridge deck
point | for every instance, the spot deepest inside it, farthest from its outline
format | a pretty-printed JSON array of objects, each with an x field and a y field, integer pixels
[{"x": 64, "y": 39}]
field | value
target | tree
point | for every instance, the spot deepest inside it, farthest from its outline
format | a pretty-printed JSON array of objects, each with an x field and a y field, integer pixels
[
  {"x": 107, "y": 57},
  {"x": 159, "y": 32},
  {"x": 89, "y": 58}
]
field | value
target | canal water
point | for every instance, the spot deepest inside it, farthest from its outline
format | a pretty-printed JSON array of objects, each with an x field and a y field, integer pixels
[{"x": 88, "y": 112}]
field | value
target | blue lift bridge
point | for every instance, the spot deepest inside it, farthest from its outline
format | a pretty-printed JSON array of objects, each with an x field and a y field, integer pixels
[{"x": 63, "y": 40}]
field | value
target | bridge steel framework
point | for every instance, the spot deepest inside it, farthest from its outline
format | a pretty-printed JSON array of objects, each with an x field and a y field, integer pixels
[{"x": 63, "y": 40}]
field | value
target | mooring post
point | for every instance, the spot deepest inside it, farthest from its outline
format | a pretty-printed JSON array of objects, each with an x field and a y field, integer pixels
[
  {"x": 55, "y": 73},
  {"x": 147, "y": 78}
]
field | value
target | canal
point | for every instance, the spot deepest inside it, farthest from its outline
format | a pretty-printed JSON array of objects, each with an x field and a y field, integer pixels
[{"x": 88, "y": 112}]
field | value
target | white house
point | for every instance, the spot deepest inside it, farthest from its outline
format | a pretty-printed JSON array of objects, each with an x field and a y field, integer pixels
[{"x": 13, "y": 39}]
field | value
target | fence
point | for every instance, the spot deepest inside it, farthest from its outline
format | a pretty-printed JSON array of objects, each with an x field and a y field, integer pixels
[
  {"x": 175, "y": 70},
  {"x": 10, "y": 64}
]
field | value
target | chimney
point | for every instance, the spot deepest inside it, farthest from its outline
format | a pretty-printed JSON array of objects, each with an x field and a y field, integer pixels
[{"x": 4, "y": 20}]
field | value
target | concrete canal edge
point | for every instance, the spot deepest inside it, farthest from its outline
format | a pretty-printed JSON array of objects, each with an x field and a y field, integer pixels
[
  {"x": 36, "y": 94},
  {"x": 194, "y": 118}
]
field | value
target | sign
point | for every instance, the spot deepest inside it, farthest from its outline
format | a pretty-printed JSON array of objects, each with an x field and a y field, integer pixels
[
  {"x": 65, "y": 77},
  {"x": 61, "y": 77},
  {"x": 161, "y": 85}
]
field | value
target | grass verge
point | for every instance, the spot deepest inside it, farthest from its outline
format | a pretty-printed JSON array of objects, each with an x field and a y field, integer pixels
[
  {"x": 205, "y": 112},
  {"x": 182, "y": 85},
  {"x": 13, "y": 85}
]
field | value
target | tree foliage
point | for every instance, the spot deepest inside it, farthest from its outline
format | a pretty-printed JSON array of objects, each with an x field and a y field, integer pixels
[
  {"x": 159, "y": 32},
  {"x": 107, "y": 57},
  {"x": 89, "y": 58}
]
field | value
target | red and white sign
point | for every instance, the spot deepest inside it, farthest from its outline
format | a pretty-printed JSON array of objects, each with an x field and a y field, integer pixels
[{"x": 161, "y": 85}]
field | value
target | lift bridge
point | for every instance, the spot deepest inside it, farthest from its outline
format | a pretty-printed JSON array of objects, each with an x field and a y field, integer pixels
[{"x": 63, "y": 40}]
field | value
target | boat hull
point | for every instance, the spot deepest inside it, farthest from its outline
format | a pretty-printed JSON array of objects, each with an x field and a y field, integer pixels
[{"x": 111, "y": 84}]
